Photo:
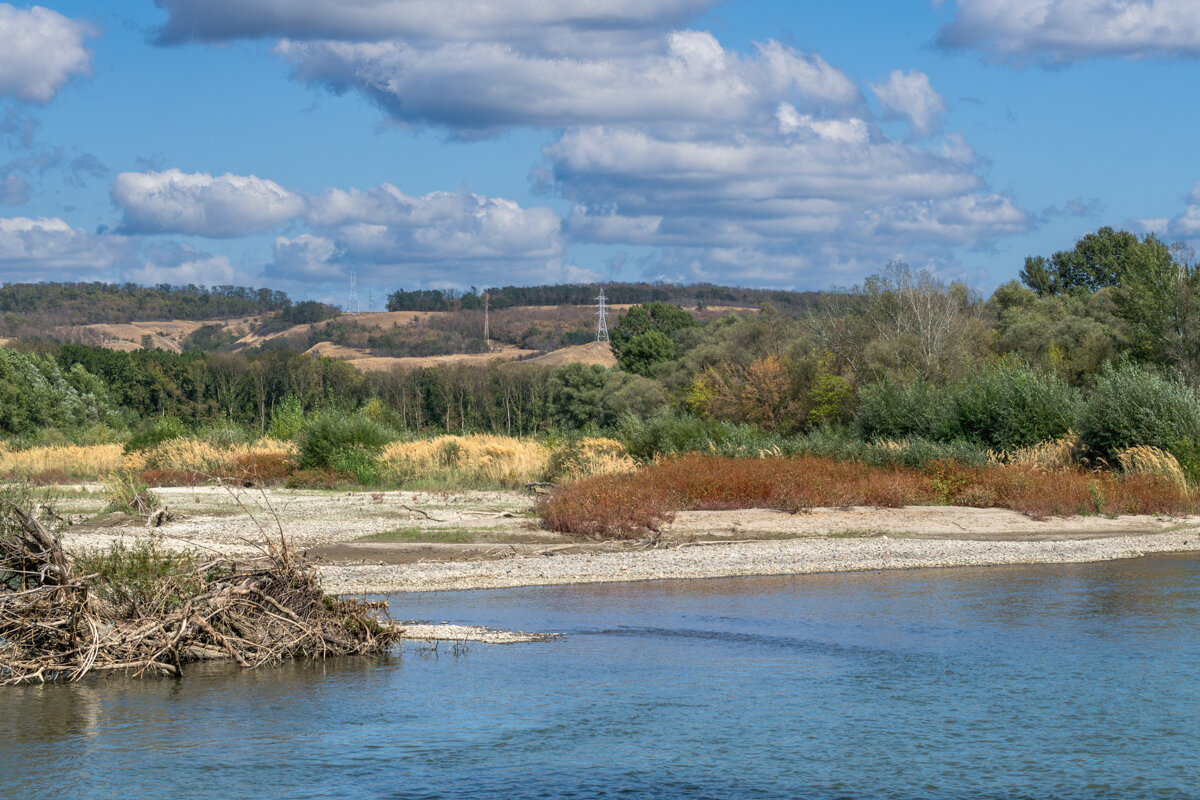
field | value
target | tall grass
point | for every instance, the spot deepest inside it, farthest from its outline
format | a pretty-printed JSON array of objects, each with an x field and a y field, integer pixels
[
  {"x": 472, "y": 460},
  {"x": 60, "y": 462},
  {"x": 622, "y": 505},
  {"x": 189, "y": 461}
]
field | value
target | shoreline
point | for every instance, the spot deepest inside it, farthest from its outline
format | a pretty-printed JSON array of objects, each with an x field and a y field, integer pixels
[{"x": 744, "y": 559}]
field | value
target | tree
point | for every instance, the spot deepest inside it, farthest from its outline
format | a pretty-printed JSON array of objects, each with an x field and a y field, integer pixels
[
  {"x": 1099, "y": 259},
  {"x": 646, "y": 335}
]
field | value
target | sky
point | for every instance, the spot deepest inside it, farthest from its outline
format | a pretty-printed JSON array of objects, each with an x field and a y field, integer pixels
[{"x": 458, "y": 143}]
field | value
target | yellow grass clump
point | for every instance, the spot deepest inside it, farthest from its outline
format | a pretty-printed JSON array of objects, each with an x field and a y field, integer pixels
[
  {"x": 590, "y": 456},
  {"x": 1051, "y": 455},
  {"x": 503, "y": 460},
  {"x": 68, "y": 461},
  {"x": 1147, "y": 460},
  {"x": 198, "y": 455}
]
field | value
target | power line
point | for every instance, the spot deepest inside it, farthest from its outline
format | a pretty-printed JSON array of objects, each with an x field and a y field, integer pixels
[
  {"x": 601, "y": 317},
  {"x": 487, "y": 323},
  {"x": 352, "y": 302}
]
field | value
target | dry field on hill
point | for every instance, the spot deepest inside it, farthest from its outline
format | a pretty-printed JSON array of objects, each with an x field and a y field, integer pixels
[
  {"x": 171, "y": 335},
  {"x": 166, "y": 334}
]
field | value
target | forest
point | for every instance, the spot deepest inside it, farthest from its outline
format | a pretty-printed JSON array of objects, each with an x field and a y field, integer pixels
[{"x": 1094, "y": 352}]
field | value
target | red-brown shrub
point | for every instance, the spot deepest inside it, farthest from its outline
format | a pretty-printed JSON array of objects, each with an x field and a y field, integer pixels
[
  {"x": 610, "y": 507},
  {"x": 263, "y": 467},
  {"x": 618, "y": 506}
]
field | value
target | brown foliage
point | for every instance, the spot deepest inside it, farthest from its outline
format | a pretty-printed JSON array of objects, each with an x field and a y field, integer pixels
[{"x": 618, "y": 506}]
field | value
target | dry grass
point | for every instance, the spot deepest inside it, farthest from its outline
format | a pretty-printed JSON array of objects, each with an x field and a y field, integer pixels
[
  {"x": 619, "y": 506},
  {"x": 1052, "y": 455},
  {"x": 189, "y": 461},
  {"x": 1146, "y": 460},
  {"x": 69, "y": 462},
  {"x": 495, "y": 460},
  {"x": 587, "y": 457}
]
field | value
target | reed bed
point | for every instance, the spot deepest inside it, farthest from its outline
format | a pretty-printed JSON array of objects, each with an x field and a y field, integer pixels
[
  {"x": 1051, "y": 455},
  {"x": 187, "y": 461},
  {"x": 587, "y": 457},
  {"x": 1146, "y": 460},
  {"x": 60, "y": 462},
  {"x": 623, "y": 506},
  {"x": 493, "y": 460}
]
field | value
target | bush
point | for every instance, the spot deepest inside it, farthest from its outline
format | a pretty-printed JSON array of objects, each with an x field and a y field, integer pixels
[
  {"x": 894, "y": 409},
  {"x": 621, "y": 505},
  {"x": 1129, "y": 406},
  {"x": 1003, "y": 405},
  {"x": 668, "y": 434},
  {"x": 155, "y": 432},
  {"x": 287, "y": 419},
  {"x": 1009, "y": 404},
  {"x": 346, "y": 443}
]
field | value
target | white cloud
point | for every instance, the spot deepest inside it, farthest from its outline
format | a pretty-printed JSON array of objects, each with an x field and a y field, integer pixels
[
  {"x": 911, "y": 95},
  {"x": 534, "y": 24},
  {"x": 488, "y": 86},
  {"x": 196, "y": 203},
  {"x": 40, "y": 50},
  {"x": 203, "y": 270},
  {"x": 305, "y": 257},
  {"x": 37, "y": 249},
  {"x": 384, "y": 225},
  {"x": 1187, "y": 224},
  {"x": 1070, "y": 30},
  {"x": 776, "y": 193}
]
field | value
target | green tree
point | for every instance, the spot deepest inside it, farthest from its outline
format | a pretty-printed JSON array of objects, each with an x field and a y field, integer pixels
[{"x": 633, "y": 342}]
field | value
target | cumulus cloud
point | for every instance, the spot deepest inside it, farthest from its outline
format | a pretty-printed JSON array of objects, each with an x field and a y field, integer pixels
[
  {"x": 383, "y": 225},
  {"x": 816, "y": 185},
  {"x": 1071, "y": 30},
  {"x": 305, "y": 257},
  {"x": 910, "y": 95},
  {"x": 487, "y": 86},
  {"x": 35, "y": 249},
  {"x": 197, "y": 203},
  {"x": 534, "y": 24},
  {"x": 179, "y": 265},
  {"x": 1186, "y": 225},
  {"x": 40, "y": 50}
]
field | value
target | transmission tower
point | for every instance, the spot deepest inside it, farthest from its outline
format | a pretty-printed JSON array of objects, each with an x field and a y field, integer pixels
[
  {"x": 601, "y": 317},
  {"x": 352, "y": 302},
  {"x": 487, "y": 323}
]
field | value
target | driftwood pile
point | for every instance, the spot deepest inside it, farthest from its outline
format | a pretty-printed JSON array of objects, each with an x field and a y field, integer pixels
[{"x": 153, "y": 613}]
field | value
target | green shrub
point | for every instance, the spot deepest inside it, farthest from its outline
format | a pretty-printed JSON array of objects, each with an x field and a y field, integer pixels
[
  {"x": 287, "y": 419},
  {"x": 342, "y": 442},
  {"x": 893, "y": 409},
  {"x": 668, "y": 433},
  {"x": 1129, "y": 406},
  {"x": 154, "y": 432},
  {"x": 1003, "y": 405},
  {"x": 1009, "y": 404}
]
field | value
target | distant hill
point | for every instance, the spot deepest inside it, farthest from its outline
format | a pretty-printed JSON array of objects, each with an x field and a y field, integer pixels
[
  {"x": 692, "y": 295},
  {"x": 33, "y": 309},
  {"x": 449, "y": 328}
]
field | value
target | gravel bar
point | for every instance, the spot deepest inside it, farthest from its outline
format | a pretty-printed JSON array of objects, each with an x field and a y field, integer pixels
[{"x": 788, "y": 557}]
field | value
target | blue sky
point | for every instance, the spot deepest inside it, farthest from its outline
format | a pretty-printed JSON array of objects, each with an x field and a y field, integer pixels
[{"x": 452, "y": 143}]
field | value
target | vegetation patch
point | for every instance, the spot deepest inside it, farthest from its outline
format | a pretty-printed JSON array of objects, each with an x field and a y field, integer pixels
[
  {"x": 422, "y": 535},
  {"x": 622, "y": 506}
]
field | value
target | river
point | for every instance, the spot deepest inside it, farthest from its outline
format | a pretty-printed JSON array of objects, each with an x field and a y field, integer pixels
[{"x": 1058, "y": 681}]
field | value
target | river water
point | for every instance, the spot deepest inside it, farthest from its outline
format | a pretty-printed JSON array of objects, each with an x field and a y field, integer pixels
[{"x": 1064, "y": 681}]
